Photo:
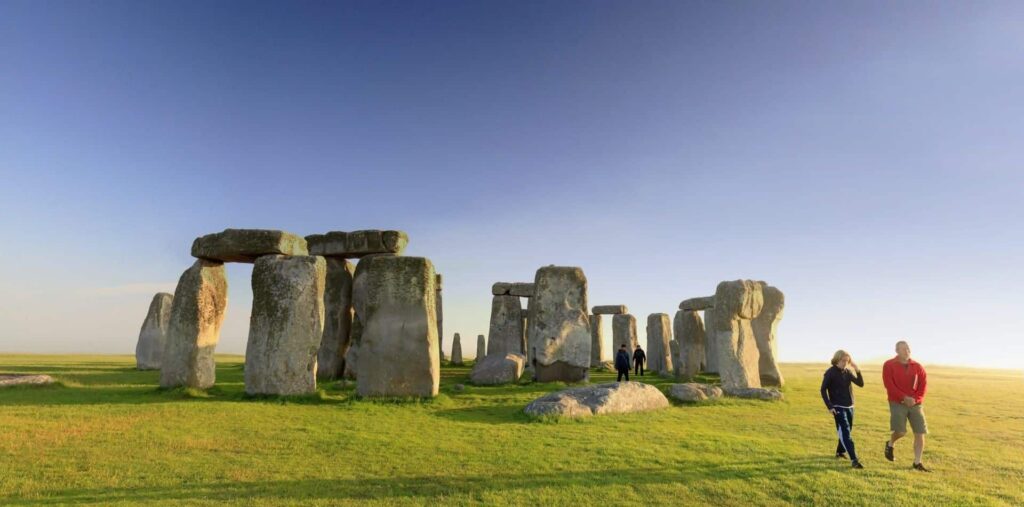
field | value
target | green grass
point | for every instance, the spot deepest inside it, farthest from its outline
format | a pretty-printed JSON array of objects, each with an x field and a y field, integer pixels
[{"x": 106, "y": 435}]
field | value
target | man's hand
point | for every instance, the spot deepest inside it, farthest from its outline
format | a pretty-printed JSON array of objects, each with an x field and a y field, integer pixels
[{"x": 908, "y": 401}]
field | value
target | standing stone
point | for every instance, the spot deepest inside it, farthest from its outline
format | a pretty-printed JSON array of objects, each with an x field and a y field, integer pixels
[
  {"x": 765, "y": 326},
  {"x": 624, "y": 333},
  {"x": 352, "y": 356},
  {"x": 197, "y": 313},
  {"x": 286, "y": 325},
  {"x": 338, "y": 312},
  {"x": 559, "y": 325},
  {"x": 481, "y": 348},
  {"x": 526, "y": 326},
  {"x": 506, "y": 330},
  {"x": 689, "y": 331},
  {"x": 398, "y": 348},
  {"x": 457, "y": 350},
  {"x": 150, "y": 347},
  {"x": 596, "y": 341},
  {"x": 710, "y": 345},
  {"x": 736, "y": 304},
  {"x": 440, "y": 319},
  {"x": 673, "y": 347},
  {"x": 659, "y": 334},
  {"x": 246, "y": 245}
]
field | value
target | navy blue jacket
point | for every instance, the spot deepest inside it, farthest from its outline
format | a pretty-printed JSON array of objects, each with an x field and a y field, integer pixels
[
  {"x": 622, "y": 360},
  {"x": 835, "y": 387}
]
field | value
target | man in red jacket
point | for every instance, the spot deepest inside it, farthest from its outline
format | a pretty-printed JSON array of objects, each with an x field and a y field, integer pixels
[{"x": 905, "y": 382}]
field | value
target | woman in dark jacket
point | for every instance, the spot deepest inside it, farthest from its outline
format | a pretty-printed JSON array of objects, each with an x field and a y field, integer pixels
[{"x": 838, "y": 397}]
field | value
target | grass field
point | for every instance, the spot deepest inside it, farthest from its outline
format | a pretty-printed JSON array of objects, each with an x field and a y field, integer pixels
[{"x": 106, "y": 436}]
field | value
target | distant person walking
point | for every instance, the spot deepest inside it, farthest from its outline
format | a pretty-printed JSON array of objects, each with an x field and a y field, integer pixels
[
  {"x": 622, "y": 363},
  {"x": 837, "y": 393},
  {"x": 639, "y": 358},
  {"x": 905, "y": 382}
]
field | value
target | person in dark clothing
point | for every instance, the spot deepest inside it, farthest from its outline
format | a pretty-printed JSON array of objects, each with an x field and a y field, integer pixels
[
  {"x": 622, "y": 363},
  {"x": 639, "y": 358},
  {"x": 837, "y": 394}
]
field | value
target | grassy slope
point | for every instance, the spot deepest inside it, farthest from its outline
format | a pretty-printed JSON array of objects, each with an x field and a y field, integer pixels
[{"x": 106, "y": 436}]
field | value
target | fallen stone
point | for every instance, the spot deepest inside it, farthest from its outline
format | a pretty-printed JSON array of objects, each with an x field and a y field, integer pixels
[
  {"x": 736, "y": 303},
  {"x": 457, "y": 350},
  {"x": 498, "y": 369},
  {"x": 197, "y": 314},
  {"x": 338, "y": 312},
  {"x": 398, "y": 348},
  {"x": 357, "y": 244},
  {"x": 659, "y": 334},
  {"x": 246, "y": 245},
  {"x": 600, "y": 399},
  {"x": 692, "y": 392},
  {"x": 150, "y": 347},
  {"x": 559, "y": 326},
  {"x": 624, "y": 333},
  {"x": 25, "y": 380},
  {"x": 696, "y": 304},
  {"x": 610, "y": 310},
  {"x": 286, "y": 325},
  {"x": 755, "y": 393},
  {"x": 689, "y": 329},
  {"x": 458, "y": 388},
  {"x": 765, "y": 327},
  {"x": 596, "y": 341}
]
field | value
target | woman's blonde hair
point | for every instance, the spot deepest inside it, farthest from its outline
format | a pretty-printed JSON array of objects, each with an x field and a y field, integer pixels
[{"x": 838, "y": 356}]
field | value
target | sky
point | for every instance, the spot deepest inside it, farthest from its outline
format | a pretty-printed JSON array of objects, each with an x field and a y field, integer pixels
[{"x": 864, "y": 157}]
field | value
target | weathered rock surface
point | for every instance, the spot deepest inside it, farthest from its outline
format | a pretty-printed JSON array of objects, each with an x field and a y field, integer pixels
[
  {"x": 286, "y": 325},
  {"x": 457, "y": 351},
  {"x": 600, "y": 399},
  {"x": 398, "y": 348},
  {"x": 338, "y": 312},
  {"x": 505, "y": 334},
  {"x": 481, "y": 347},
  {"x": 659, "y": 334},
  {"x": 150, "y": 347},
  {"x": 674, "y": 350},
  {"x": 765, "y": 327},
  {"x": 25, "y": 380},
  {"x": 357, "y": 243},
  {"x": 694, "y": 392},
  {"x": 756, "y": 393},
  {"x": 610, "y": 310},
  {"x": 522, "y": 289},
  {"x": 246, "y": 245},
  {"x": 624, "y": 333},
  {"x": 197, "y": 313},
  {"x": 596, "y": 341},
  {"x": 736, "y": 303},
  {"x": 498, "y": 369},
  {"x": 689, "y": 329},
  {"x": 559, "y": 325},
  {"x": 695, "y": 304}
]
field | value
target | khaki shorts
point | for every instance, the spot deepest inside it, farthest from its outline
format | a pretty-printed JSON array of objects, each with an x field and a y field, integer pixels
[{"x": 898, "y": 415}]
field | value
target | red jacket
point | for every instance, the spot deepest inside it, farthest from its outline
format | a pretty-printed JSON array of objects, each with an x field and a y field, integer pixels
[{"x": 901, "y": 381}]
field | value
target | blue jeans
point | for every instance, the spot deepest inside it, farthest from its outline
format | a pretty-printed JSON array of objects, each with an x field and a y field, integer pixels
[{"x": 844, "y": 428}]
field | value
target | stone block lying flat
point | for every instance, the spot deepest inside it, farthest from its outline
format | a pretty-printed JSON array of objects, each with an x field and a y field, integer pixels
[
  {"x": 697, "y": 304},
  {"x": 610, "y": 310},
  {"x": 523, "y": 290},
  {"x": 245, "y": 245},
  {"x": 600, "y": 399},
  {"x": 357, "y": 243}
]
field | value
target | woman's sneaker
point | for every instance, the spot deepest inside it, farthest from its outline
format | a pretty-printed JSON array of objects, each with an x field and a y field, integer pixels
[
  {"x": 856, "y": 464},
  {"x": 841, "y": 455}
]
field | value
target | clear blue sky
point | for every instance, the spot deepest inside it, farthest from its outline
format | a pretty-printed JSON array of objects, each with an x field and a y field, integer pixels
[{"x": 865, "y": 157}]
